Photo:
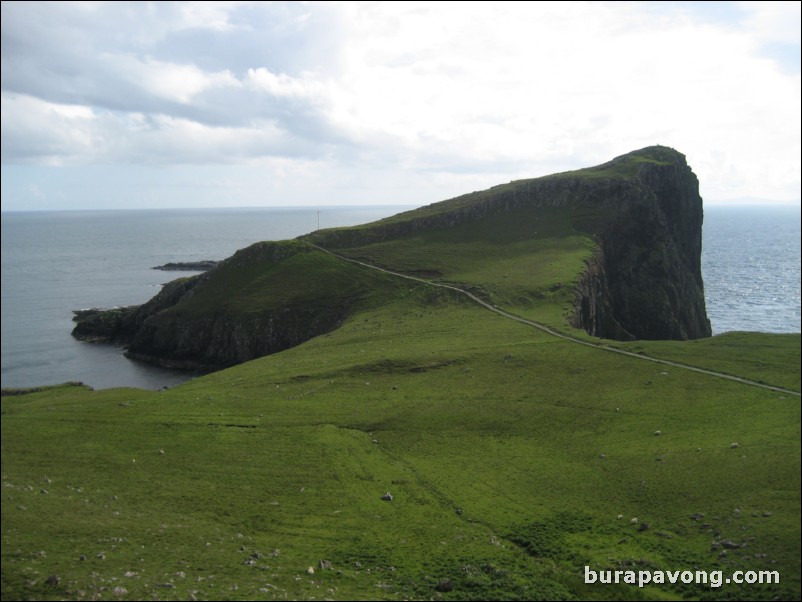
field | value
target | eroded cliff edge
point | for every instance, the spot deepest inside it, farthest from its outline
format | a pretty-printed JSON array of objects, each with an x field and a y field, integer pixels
[
  {"x": 642, "y": 280},
  {"x": 644, "y": 213},
  {"x": 265, "y": 298}
]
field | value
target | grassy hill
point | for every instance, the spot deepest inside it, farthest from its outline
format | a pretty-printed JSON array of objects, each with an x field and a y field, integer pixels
[{"x": 514, "y": 458}]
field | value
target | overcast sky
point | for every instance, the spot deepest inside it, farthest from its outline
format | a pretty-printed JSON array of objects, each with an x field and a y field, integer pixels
[{"x": 209, "y": 104}]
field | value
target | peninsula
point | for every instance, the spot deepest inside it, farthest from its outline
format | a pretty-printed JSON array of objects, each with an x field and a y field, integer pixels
[
  {"x": 488, "y": 398},
  {"x": 614, "y": 249}
]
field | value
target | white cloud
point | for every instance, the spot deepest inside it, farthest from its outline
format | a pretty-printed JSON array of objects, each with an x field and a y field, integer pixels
[
  {"x": 458, "y": 97},
  {"x": 774, "y": 22}
]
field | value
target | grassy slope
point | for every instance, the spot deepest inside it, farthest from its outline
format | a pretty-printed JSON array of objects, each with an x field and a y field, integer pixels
[
  {"x": 489, "y": 438},
  {"x": 489, "y": 434},
  {"x": 528, "y": 259}
]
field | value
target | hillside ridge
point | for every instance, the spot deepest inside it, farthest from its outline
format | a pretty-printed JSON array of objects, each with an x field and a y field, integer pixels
[{"x": 616, "y": 246}]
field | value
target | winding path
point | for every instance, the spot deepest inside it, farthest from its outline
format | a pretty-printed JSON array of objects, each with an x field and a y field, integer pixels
[{"x": 558, "y": 334}]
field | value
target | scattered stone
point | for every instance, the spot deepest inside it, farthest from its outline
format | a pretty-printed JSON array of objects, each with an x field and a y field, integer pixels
[
  {"x": 737, "y": 511},
  {"x": 644, "y": 527},
  {"x": 697, "y": 516},
  {"x": 47, "y": 480},
  {"x": 620, "y": 516},
  {"x": 82, "y": 557},
  {"x": 387, "y": 497},
  {"x": 310, "y": 570},
  {"x": 602, "y": 456},
  {"x": 759, "y": 556},
  {"x": 130, "y": 574},
  {"x": 444, "y": 585},
  {"x": 766, "y": 514},
  {"x": 666, "y": 535},
  {"x": 324, "y": 565},
  {"x": 44, "y": 491},
  {"x": 119, "y": 591},
  {"x": 101, "y": 556},
  {"x": 729, "y": 544},
  {"x": 357, "y": 565},
  {"x": 161, "y": 452},
  {"x": 634, "y": 521},
  {"x": 722, "y": 554},
  {"x": 53, "y": 580}
]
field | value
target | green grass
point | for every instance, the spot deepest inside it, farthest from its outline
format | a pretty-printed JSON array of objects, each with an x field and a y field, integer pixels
[
  {"x": 489, "y": 438},
  {"x": 528, "y": 259},
  {"x": 510, "y": 453}
]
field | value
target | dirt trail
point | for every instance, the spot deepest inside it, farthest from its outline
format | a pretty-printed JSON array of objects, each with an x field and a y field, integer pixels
[{"x": 558, "y": 334}]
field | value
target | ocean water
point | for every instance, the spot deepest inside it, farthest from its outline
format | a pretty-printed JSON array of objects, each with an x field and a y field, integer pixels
[
  {"x": 751, "y": 267},
  {"x": 56, "y": 262}
]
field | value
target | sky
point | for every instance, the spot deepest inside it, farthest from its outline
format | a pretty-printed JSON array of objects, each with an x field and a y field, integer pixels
[{"x": 112, "y": 105}]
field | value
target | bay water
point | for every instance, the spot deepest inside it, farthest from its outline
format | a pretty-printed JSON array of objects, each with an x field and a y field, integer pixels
[{"x": 57, "y": 262}]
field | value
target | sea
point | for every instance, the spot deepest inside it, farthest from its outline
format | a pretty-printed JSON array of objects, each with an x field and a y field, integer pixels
[{"x": 57, "y": 262}]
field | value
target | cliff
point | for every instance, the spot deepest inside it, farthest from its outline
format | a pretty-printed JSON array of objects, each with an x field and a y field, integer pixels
[
  {"x": 265, "y": 298},
  {"x": 644, "y": 280},
  {"x": 644, "y": 214},
  {"x": 616, "y": 247}
]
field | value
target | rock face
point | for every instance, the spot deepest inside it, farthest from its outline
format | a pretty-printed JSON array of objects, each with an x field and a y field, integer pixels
[
  {"x": 645, "y": 279},
  {"x": 197, "y": 323}
]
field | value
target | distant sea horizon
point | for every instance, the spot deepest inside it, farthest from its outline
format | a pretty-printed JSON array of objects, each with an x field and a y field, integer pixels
[{"x": 54, "y": 262}]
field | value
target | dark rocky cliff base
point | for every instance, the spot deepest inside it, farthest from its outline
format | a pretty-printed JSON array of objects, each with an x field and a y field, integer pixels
[{"x": 645, "y": 280}]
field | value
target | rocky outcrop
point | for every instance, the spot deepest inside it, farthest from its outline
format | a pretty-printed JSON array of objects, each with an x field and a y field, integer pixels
[
  {"x": 187, "y": 266},
  {"x": 225, "y": 316},
  {"x": 120, "y": 324},
  {"x": 644, "y": 211},
  {"x": 644, "y": 280}
]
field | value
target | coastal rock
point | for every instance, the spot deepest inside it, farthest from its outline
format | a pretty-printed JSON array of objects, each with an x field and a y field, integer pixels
[
  {"x": 188, "y": 266},
  {"x": 642, "y": 279},
  {"x": 195, "y": 323}
]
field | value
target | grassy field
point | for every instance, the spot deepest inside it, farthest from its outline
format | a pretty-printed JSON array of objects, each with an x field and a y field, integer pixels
[
  {"x": 510, "y": 455},
  {"x": 515, "y": 459}
]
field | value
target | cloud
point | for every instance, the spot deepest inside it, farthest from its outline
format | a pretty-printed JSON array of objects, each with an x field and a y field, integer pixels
[{"x": 455, "y": 97}]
